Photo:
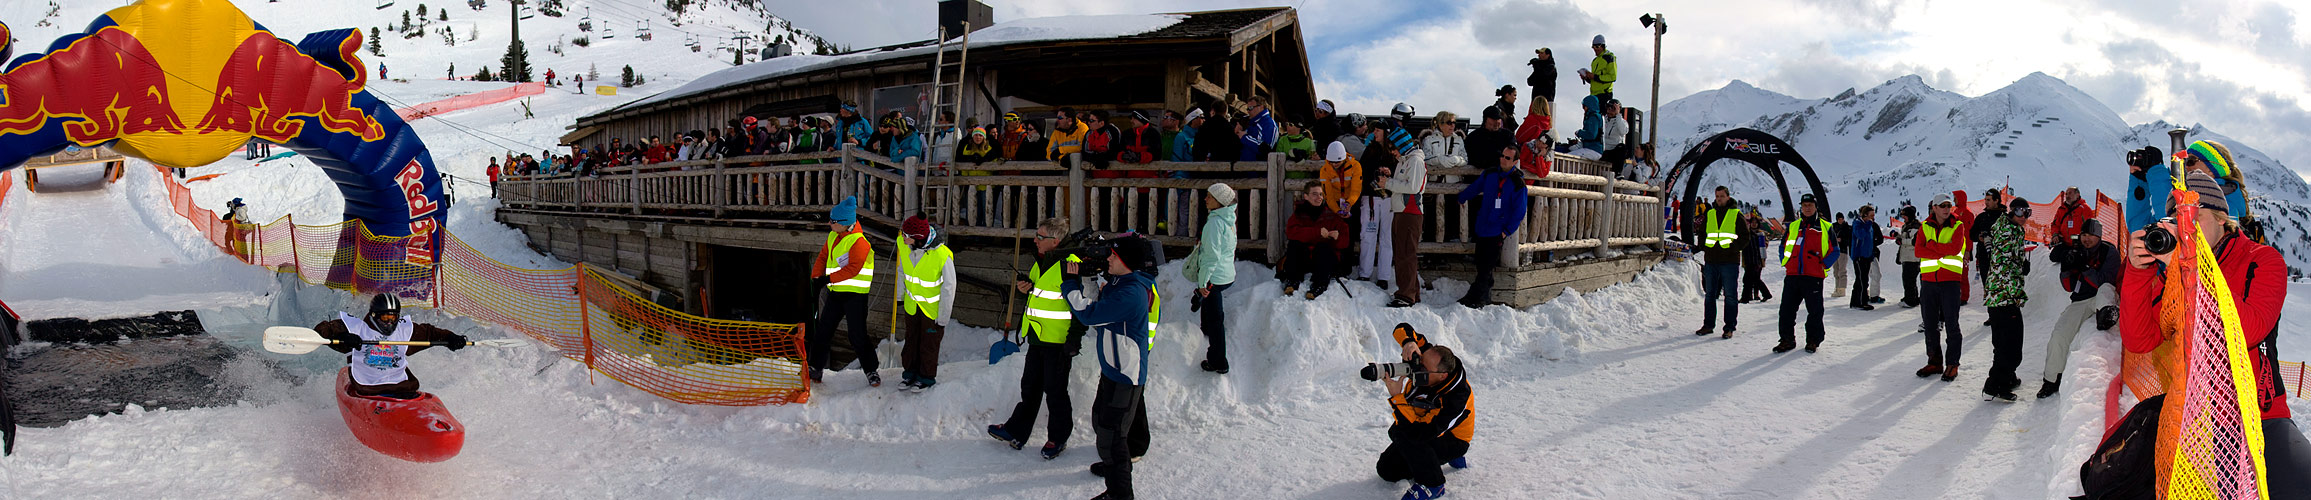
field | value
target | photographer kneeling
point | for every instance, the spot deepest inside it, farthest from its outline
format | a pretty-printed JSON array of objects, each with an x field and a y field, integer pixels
[{"x": 1434, "y": 417}]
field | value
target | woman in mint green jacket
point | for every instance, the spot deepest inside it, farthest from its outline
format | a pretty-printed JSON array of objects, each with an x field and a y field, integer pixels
[{"x": 1213, "y": 268}]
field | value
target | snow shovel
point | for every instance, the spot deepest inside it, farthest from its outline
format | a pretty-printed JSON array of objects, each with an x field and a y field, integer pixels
[{"x": 300, "y": 340}]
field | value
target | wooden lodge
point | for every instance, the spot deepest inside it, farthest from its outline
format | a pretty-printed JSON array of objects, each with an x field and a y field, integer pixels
[{"x": 733, "y": 238}]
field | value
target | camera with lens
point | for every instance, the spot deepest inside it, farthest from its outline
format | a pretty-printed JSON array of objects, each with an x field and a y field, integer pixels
[
  {"x": 2147, "y": 157},
  {"x": 1377, "y": 371},
  {"x": 1087, "y": 245},
  {"x": 2157, "y": 240}
]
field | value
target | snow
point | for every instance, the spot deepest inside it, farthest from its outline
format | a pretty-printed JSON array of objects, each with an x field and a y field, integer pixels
[
  {"x": 1597, "y": 395},
  {"x": 1005, "y": 33}
]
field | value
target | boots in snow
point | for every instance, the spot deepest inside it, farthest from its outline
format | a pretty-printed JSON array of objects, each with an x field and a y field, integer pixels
[
  {"x": 874, "y": 380},
  {"x": 1785, "y": 347},
  {"x": 1458, "y": 462},
  {"x": 2050, "y": 388},
  {"x": 1289, "y": 289},
  {"x": 1728, "y": 333},
  {"x": 1812, "y": 347},
  {"x": 999, "y": 434},
  {"x": 1423, "y": 492},
  {"x": 1949, "y": 373},
  {"x": 1051, "y": 450},
  {"x": 1704, "y": 331},
  {"x": 1933, "y": 367},
  {"x": 1219, "y": 367}
]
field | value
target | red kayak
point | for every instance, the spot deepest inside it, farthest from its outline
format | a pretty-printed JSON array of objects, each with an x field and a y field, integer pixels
[{"x": 417, "y": 430}]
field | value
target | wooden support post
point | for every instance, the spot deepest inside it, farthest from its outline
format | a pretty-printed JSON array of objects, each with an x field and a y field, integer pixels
[
  {"x": 910, "y": 198},
  {"x": 634, "y": 189},
  {"x": 1605, "y": 220},
  {"x": 721, "y": 186},
  {"x": 1278, "y": 204},
  {"x": 1078, "y": 212}
]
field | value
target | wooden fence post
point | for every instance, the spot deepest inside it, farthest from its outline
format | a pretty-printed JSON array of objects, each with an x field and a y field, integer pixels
[
  {"x": 634, "y": 189},
  {"x": 721, "y": 187},
  {"x": 910, "y": 201},
  {"x": 1078, "y": 213},
  {"x": 1605, "y": 219},
  {"x": 1279, "y": 207}
]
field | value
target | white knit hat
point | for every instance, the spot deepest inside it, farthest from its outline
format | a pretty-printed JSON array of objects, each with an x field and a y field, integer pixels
[
  {"x": 1222, "y": 193},
  {"x": 1336, "y": 153}
]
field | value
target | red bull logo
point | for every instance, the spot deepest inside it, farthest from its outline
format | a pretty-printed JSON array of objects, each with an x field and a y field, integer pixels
[
  {"x": 421, "y": 208},
  {"x": 267, "y": 83},
  {"x": 124, "y": 97}
]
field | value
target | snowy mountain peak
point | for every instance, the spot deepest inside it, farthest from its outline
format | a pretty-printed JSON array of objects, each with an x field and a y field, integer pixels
[{"x": 1904, "y": 140}]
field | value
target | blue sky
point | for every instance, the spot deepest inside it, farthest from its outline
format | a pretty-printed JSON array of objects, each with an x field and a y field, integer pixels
[{"x": 2241, "y": 67}]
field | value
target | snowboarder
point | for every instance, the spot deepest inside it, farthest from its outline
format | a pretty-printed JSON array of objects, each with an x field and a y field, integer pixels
[
  {"x": 1434, "y": 411},
  {"x": 847, "y": 272},
  {"x": 1864, "y": 248},
  {"x": 1721, "y": 261},
  {"x": 1942, "y": 240},
  {"x": 1804, "y": 255},
  {"x": 1212, "y": 267},
  {"x": 1122, "y": 319},
  {"x": 2003, "y": 292},
  {"x": 1053, "y": 338},
  {"x": 383, "y": 370},
  {"x": 930, "y": 300},
  {"x": 2090, "y": 271},
  {"x": 1500, "y": 200}
]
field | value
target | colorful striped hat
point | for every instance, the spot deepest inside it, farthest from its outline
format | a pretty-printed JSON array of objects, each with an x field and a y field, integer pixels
[{"x": 2217, "y": 158}]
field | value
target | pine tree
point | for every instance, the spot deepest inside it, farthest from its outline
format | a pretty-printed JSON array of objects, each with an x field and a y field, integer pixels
[
  {"x": 484, "y": 75},
  {"x": 421, "y": 11},
  {"x": 638, "y": 80},
  {"x": 374, "y": 48},
  {"x": 626, "y": 79},
  {"x": 405, "y": 21},
  {"x": 444, "y": 15},
  {"x": 516, "y": 63},
  {"x": 591, "y": 73}
]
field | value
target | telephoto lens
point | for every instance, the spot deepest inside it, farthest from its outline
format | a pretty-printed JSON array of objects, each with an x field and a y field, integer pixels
[{"x": 1377, "y": 371}]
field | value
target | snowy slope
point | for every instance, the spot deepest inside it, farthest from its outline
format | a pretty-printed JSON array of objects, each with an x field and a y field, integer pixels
[{"x": 1904, "y": 140}]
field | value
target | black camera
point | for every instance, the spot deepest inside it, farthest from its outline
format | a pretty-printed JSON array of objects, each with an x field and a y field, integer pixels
[
  {"x": 2157, "y": 239},
  {"x": 2147, "y": 157},
  {"x": 1087, "y": 245}
]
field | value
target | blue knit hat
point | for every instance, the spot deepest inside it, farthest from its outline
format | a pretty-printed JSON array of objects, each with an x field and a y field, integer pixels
[{"x": 847, "y": 212}]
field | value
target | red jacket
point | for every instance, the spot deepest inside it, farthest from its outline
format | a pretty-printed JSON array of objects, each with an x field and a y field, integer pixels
[
  {"x": 493, "y": 172},
  {"x": 1804, "y": 250},
  {"x": 1533, "y": 156},
  {"x": 2257, "y": 277},
  {"x": 1930, "y": 251},
  {"x": 1307, "y": 222},
  {"x": 2068, "y": 219}
]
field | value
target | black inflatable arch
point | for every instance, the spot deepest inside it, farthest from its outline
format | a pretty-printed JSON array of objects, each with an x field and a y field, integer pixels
[{"x": 1750, "y": 145}]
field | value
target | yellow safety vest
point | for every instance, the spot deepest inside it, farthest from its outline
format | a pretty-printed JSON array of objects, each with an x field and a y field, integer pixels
[
  {"x": 1720, "y": 229},
  {"x": 838, "y": 252},
  {"x": 925, "y": 279},
  {"x": 1155, "y": 304},
  {"x": 1955, "y": 262},
  {"x": 1048, "y": 316},
  {"x": 1789, "y": 245}
]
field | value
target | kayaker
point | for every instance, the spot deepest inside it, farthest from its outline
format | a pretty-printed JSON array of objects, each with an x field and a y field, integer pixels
[{"x": 383, "y": 370}]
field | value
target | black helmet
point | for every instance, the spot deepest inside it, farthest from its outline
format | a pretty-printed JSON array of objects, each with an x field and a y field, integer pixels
[{"x": 383, "y": 303}]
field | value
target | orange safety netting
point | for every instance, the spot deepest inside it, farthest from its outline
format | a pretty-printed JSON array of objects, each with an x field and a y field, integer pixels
[
  {"x": 473, "y": 100},
  {"x": 2041, "y": 221},
  {"x": 577, "y": 310}
]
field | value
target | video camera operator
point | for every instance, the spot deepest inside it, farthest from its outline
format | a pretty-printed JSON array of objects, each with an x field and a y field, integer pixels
[
  {"x": 1434, "y": 411},
  {"x": 1122, "y": 317}
]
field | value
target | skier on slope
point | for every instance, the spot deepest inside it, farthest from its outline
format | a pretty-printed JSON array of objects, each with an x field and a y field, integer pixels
[{"x": 383, "y": 370}]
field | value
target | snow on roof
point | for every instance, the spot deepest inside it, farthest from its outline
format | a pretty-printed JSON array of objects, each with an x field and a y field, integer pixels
[{"x": 1041, "y": 29}]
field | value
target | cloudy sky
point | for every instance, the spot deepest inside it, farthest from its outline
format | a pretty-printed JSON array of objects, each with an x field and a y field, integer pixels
[{"x": 2238, "y": 66}]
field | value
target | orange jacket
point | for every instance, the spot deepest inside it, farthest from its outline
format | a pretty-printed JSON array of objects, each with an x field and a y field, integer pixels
[{"x": 860, "y": 253}]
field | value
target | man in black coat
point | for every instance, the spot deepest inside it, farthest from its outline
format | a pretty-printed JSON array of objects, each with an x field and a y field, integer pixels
[{"x": 1544, "y": 77}]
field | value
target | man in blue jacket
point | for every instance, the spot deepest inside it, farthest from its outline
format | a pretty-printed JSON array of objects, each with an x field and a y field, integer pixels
[
  {"x": 1500, "y": 200},
  {"x": 1122, "y": 320},
  {"x": 1864, "y": 250}
]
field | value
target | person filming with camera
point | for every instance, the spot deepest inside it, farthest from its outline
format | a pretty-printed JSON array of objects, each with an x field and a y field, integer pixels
[
  {"x": 1121, "y": 316},
  {"x": 2258, "y": 287},
  {"x": 1434, "y": 411}
]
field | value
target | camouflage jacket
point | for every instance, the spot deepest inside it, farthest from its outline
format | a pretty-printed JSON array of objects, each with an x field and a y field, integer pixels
[{"x": 2008, "y": 264}]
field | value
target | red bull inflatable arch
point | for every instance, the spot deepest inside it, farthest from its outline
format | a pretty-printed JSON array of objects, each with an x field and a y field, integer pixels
[{"x": 183, "y": 83}]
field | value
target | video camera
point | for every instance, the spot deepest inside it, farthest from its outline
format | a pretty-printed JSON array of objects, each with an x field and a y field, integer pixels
[
  {"x": 2147, "y": 157},
  {"x": 1086, "y": 245}
]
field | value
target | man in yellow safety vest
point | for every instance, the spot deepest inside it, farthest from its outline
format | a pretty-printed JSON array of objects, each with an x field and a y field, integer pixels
[
  {"x": 847, "y": 270},
  {"x": 1052, "y": 341},
  {"x": 1721, "y": 244},
  {"x": 929, "y": 297}
]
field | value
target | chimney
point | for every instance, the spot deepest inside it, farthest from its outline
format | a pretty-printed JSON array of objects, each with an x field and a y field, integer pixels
[{"x": 953, "y": 13}]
